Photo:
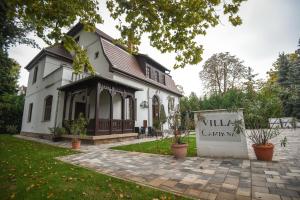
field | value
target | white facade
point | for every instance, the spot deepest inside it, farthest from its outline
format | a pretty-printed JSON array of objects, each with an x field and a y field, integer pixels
[{"x": 54, "y": 72}]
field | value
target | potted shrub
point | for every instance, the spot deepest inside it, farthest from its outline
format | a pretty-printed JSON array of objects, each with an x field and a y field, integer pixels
[
  {"x": 57, "y": 132},
  {"x": 178, "y": 147},
  {"x": 260, "y": 132},
  {"x": 77, "y": 129}
]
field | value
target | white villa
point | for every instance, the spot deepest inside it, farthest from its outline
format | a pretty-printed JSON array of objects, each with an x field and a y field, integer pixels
[{"x": 125, "y": 94}]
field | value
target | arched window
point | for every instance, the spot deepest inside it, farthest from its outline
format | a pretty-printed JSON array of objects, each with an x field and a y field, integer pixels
[{"x": 48, "y": 108}]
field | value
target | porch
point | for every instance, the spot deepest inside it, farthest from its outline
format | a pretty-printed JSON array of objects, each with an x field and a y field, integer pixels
[{"x": 108, "y": 105}]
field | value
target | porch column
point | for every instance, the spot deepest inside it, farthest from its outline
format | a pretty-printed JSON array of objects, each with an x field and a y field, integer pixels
[
  {"x": 123, "y": 112},
  {"x": 71, "y": 106},
  {"x": 97, "y": 108},
  {"x": 111, "y": 112},
  {"x": 65, "y": 106},
  {"x": 86, "y": 104}
]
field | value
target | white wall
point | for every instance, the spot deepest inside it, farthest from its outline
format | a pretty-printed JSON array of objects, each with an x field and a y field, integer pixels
[
  {"x": 91, "y": 42},
  {"x": 36, "y": 94}
]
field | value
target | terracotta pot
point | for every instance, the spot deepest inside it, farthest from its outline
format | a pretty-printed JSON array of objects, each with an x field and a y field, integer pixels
[
  {"x": 76, "y": 143},
  {"x": 179, "y": 150},
  {"x": 263, "y": 152}
]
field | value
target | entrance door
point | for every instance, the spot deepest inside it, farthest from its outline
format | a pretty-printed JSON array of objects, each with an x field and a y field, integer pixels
[{"x": 79, "y": 108}]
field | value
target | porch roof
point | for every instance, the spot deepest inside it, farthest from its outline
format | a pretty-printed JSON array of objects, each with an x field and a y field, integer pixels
[{"x": 91, "y": 80}]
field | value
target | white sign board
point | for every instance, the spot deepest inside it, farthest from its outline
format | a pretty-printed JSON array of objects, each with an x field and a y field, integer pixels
[
  {"x": 215, "y": 134},
  {"x": 284, "y": 122}
]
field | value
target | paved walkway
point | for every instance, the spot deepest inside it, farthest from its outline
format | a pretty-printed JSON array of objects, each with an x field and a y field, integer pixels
[{"x": 203, "y": 178}]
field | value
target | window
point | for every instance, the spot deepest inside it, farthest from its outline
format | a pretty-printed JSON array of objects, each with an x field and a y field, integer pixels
[
  {"x": 157, "y": 76},
  {"x": 163, "y": 79},
  {"x": 171, "y": 102},
  {"x": 48, "y": 107},
  {"x": 96, "y": 55},
  {"x": 77, "y": 39},
  {"x": 29, "y": 112},
  {"x": 35, "y": 74},
  {"x": 148, "y": 72}
]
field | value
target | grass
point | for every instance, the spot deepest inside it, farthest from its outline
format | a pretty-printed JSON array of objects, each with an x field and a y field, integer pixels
[
  {"x": 29, "y": 170},
  {"x": 162, "y": 146}
]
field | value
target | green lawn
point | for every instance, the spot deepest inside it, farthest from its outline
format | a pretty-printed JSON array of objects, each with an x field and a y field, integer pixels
[
  {"x": 29, "y": 170},
  {"x": 162, "y": 146}
]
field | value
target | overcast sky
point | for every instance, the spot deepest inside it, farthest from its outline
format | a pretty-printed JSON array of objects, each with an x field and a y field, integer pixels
[{"x": 269, "y": 27}]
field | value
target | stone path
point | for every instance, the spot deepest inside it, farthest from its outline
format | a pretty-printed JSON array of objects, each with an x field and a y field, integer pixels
[{"x": 203, "y": 178}]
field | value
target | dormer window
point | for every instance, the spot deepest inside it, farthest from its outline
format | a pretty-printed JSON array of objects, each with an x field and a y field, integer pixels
[
  {"x": 148, "y": 72},
  {"x": 157, "y": 76},
  {"x": 77, "y": 39},
  {"x": 34, "y": 75}
]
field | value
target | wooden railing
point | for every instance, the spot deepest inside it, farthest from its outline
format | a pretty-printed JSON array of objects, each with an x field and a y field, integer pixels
[
  {"x": 114, "y": 126},
  {"x": 76, "y": 77}
]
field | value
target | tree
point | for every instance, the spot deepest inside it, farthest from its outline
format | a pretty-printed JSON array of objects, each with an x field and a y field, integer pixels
[
  {"x": 294, "y": 77},
  {"x": 11, "y": 105},
  {"x": 221, "y": 72},
  {"x": 9, "y": 73},
  {"x": 172, "y": 26}
]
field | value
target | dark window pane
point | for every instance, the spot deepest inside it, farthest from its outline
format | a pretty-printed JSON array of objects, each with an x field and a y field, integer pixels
[
  {"x": 48, "y": 108},
  {"x": 29, "y": 112},
  {"x": 35, "y": 75}
]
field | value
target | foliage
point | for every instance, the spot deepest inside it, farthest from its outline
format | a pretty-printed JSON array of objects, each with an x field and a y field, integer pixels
[
  {"x": 30, "y": 170},
  {"x": 286, "y": 73},
  {"x": 264, "y": 103},
  {"x": 221, "y": 72},
  {"x": 57, "y": 131},
  {"x": 9, "y": 73},
  {"x": 11, "y": 105},
  {"x": 172, "y": 26},
  {"x": 161, "y": 146},
  {"x": 78, "y": 126},
  {"x": 162, "y": 114},
  {"x": 262, "y": 136},
  {"x": 11, "y": 111},
  {"x": 11, "y": 129},
  {"x": 47, "y": 20}
]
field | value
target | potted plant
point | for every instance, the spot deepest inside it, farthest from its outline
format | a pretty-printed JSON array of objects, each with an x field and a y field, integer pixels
[
  {"x": 260, "y": 132},
  {"x": 77, "y": 129},
  {"x": 57, "y": 132},
  {"x": 178, "y": 147}
]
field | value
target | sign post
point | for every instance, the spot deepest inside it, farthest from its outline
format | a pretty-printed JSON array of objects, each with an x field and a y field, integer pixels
[{"x": 216, "y": 135}]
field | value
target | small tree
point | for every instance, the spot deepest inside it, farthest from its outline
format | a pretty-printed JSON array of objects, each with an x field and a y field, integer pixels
[{"x": 162, "y": 116}]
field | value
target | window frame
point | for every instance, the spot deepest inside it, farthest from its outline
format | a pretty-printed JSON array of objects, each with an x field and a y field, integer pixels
[{"x": 47, "y": 108}]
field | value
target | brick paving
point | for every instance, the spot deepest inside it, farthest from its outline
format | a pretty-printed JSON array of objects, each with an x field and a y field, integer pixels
[{"x": 203, "y": 178}]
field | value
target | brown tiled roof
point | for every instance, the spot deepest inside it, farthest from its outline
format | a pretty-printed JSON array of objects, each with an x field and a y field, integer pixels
[
  {"x": 127, "y": 63},
  {"x": 58, "y": 49}
]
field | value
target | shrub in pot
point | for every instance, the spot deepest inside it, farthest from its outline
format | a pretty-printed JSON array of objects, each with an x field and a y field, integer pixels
[
  {"x": 77, "y": 129},
  {"x": 57, "y": 132},
  {"x": 178, "y": 147},
  {"x": 260, "y": 133}
]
